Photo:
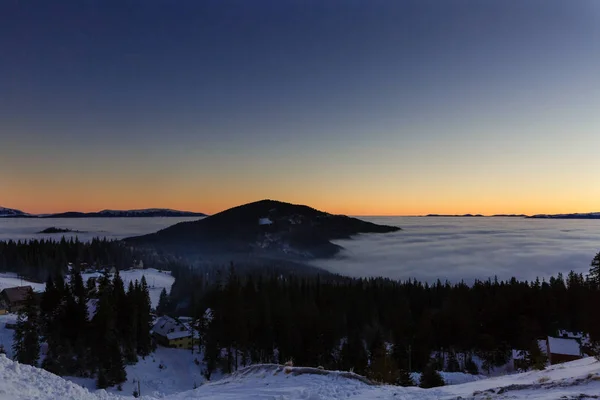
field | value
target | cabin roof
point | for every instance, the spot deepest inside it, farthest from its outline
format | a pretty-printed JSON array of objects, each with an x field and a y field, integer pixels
[
  {"x": 563, "y": 346},
  {"x": 17, "y": 294}
]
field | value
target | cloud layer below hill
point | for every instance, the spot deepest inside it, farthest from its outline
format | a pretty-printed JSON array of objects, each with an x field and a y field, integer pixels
[{"x": 469, "y": 248}]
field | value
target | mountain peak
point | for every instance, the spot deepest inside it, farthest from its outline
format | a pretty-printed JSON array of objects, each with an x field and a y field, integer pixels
[{"x": 265, "y": 227}]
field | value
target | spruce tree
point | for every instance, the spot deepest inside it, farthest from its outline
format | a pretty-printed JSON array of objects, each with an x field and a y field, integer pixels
[
  {"x": 144, "y": 322},
  {"x": 108, "y": 360},
  {"x": 452, "y": 363},
  {"x": 471, "y": 367},
  {"x": 123, "y": 320},
  {"x": 430, "y": 377},
  {"x": 404, "y": 378},
  {"x": 163, "y": 302},
  {"x": 535, "y": 358},
  {"x": 51, "y": 312},
  {"x": 594, "y": 275},
  {"x": 382, "y": 367},
  {"x": 26, "y": 340}
]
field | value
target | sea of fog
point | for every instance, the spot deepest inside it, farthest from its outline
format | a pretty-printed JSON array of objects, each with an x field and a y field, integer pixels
[
  {"x": 427, "y": 248},
  {"x": 111, "y": 228},
  {"x": 466, "y": 249}
]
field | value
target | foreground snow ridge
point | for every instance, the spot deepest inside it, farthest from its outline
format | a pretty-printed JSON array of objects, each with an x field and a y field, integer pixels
[
  {"x": 575, "y": 380},
  {"x": 20, "y": 382}
]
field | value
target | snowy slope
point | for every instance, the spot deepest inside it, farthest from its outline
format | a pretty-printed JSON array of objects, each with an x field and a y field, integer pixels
[
  {"x": 10, "y": 212},
  {"x": 10, "y": 279},
  {"x": 178, "y": 374},
  {"x": 157, "y": 280},
  {"x": 23, "y": 382},
  {"x": 576, "y": 380}
]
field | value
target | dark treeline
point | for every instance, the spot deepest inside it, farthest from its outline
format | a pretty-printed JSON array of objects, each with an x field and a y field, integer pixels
[
  {"x": 346, "y": 323},
  {"x": 91, "y": 329},
  {"x": 37, "y": 259}
]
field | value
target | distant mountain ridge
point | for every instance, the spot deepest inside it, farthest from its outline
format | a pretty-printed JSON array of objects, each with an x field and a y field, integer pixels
[
  {"x": 591, "y": 215},
  {"x": 149, "y": 212},
  {"x": 263, "y": 228},
  {"x": 476, "y": 215},
  {"x": 12, "y": 213}
]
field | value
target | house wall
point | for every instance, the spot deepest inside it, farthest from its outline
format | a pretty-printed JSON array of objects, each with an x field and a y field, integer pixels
[
  {"x": 181, "y": 343},
  {"x": 562, "y": 358}
]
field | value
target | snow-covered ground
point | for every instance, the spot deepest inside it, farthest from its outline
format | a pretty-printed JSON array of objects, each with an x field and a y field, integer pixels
[
  {"x": 157, "y": 280},
  {"x": 10, "y": 279},
  {"x": 6, "y": 335},
  {"x": 179, "y": 373},
  {"x": 575, "y": 380}
]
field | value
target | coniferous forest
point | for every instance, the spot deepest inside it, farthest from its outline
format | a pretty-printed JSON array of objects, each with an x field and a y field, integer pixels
[
  {"x": 36, "y": 259},
  {"x": 374, "y": 326},
  {"x": 91, "y": 329},
  {"x": 377, "y": 327}
]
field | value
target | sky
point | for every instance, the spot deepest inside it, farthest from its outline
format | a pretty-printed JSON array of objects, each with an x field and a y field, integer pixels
[{"x": 357, "y": 107}]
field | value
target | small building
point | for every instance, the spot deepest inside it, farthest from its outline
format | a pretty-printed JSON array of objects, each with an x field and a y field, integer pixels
[
  {"x": 171, "y": 332},
  {"x": 562, "y": 350},
  {"x": 138, "y": 264},
  {"x": 14, "y": 298}
]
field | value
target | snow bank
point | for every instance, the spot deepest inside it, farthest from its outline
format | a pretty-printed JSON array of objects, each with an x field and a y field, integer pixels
[{"x": 24, "y": 382}]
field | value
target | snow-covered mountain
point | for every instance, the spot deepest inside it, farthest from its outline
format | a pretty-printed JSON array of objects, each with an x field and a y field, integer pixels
[
  {"x": 575, "y": 380},
  {"x": 149, "y": 212},
  {"x": 11, "y": 212}
]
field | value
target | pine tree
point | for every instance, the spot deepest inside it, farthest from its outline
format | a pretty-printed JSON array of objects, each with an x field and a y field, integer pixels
[
  {"x": 123, "y": 320},
  {"x": 452, "y": 363},
  {"x": 79, "y": 322},
  {"x": 144, "y": 323},
  {"x": 127, "y": 322},
  {"x": 594, "y": 275},
  {"x": 382, "y": 367},
  {"x": 431, "y": 378},
  {"x": 163, "y": 302},
  {"x": 51, "y": 325},
  {"x": 404, "y": 378},
  {"x": 471, "y": 367},
  {"x": 536, "y": 359},
  {"x": 90, "y": 288},
  {"x": 26, "y": 340}
]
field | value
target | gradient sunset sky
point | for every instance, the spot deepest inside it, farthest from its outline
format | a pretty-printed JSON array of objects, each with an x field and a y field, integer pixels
[{"x": 358, "y": 107}]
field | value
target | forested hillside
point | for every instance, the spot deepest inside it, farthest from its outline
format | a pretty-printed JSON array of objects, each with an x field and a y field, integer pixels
[
  {"x": 343, "y": 323},
  {"x": 37, "y": 259}
]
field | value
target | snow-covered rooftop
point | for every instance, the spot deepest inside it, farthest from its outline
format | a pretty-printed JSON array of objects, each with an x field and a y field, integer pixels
[
  {"x": 171, "y": 328},
  {"x": 569, "y": 347}
]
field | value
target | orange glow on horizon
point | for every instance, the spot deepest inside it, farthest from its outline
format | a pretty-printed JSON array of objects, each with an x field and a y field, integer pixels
[{"x": 215, "y": 206}]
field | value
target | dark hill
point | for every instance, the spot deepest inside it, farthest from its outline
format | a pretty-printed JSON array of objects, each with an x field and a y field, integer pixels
[{"x": 265, "y": 228}]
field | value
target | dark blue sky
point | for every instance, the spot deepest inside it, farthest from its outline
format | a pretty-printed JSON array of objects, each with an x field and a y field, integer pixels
[{"x": 216, "y": 102}]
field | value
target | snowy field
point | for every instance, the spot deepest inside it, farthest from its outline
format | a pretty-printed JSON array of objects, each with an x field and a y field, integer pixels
[
  {"x": 9, "y": 279},
  {"x": 179, "y": 373},
  {"x": 157, "y": 280},
  {"x": 576, "y": 380}
]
